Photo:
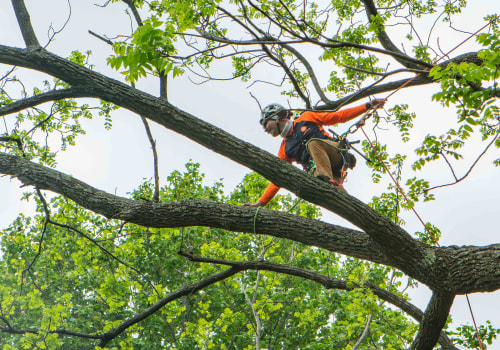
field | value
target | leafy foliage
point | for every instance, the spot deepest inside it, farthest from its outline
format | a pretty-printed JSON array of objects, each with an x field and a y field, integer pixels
[
  {"x": 92, "y": 274},
  {"x": 75, "y": 270},
  {"x": 466, "y": 335},
  {"x": 39, "y": 133}
]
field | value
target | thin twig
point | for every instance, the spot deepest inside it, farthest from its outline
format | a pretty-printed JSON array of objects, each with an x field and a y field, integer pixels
[
  {"x": 105, "y": 251},
  {"x": 472, "y": 166},
  {"x": 156, "y": 194},
  {"x": 44, "y": 230}
]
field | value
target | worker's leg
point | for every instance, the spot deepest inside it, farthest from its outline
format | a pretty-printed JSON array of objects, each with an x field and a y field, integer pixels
[{"x": 327, "y": 158}]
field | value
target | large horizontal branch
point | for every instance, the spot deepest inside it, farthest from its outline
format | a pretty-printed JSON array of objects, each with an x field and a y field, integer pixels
[
  {"x": 36, "y": 100},
  {"x": 427, "y": 264},
  {"x": 376, "y": 89},
  {"x": 459, "y": 270},
  {"x": 328, "y": 283},
  {"x": 195, "y": 213},
  {"x": 278, "y": 171},
  {"x": 417, "y": 80}
]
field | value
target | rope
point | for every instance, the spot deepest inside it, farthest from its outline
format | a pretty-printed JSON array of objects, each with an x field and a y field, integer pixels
[
  {"x": 445, "y": 55},
  {"x": 470, "y": 37},
  {"x": 396, "y": 182},
  {"x": 297, "y": 202},
  {"x": 399, "y": 187},
  {"x": 359, "y": 125},
  {"x": 255, "y": 220},
  {"x": 474, "y": 321},
  {"x": 426, "y": 228}
]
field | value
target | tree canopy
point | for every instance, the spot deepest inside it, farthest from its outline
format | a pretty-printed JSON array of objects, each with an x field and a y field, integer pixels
[{"x": 182, "y": 264}]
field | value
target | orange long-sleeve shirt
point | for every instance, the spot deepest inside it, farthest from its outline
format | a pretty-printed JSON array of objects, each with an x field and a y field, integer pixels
[{"x": 319, "y": 118}]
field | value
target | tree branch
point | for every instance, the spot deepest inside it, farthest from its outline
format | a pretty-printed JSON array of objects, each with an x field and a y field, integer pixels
[
  {"x": 187, "y": 290},
  {"x": 133, "y": 8},
  {"x": 371, "y": 12},
  {"x": 296, "y": 53},
  {"x": 325, "y": 281},
  {"x": 310, "y": 71},
  {"x": 44, "y": 231},
  {"x": 420, "y": 261},
  {"x": 364, "y": 334},
  {"x": 57, "y": 331},
  {"x": 36, "y": 100},
  {"x": 334, "y": 44},
  {"x": 23, "y": 19},
  {"x": 156, "y": 194},
  {"x": 12, "y": 139},
  {"x": 434, "y": 319},
  {"x": 276, "y": 58},
  {"x": 193, "y": 213},
  {"x": 457, "y": 180}
]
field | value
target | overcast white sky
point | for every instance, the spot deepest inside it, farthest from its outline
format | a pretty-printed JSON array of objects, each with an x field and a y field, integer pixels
[{"x": 117, "y": 160}]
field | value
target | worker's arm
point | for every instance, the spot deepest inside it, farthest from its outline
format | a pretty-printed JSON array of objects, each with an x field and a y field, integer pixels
[
  {"x": 344, "y": 115},
  {"x": 269, "y": 194}
]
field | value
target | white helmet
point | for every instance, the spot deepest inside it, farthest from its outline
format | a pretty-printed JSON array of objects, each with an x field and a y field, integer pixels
[{"x": 272, "y": 112}]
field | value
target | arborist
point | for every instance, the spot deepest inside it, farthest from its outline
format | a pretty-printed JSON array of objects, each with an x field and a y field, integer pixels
[{"x": 307, "y": 143}]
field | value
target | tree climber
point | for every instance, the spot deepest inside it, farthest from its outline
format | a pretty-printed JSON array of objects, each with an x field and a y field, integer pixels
[{"x": 307, "y": 143}]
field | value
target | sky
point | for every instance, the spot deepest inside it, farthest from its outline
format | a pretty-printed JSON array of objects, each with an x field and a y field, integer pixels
[{"x": 466, "y": 213}]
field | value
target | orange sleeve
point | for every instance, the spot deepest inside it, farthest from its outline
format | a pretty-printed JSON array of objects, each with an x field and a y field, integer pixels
[
  {"x": 272, "y": 189},
  {"x": 332, "y": 118},
  {"x": 269, "y": 193}
]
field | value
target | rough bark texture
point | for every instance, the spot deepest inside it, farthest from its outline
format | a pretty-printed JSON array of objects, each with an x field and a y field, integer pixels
[
  {"x": 458, "y": 269},
  {"x": 447, "y": 271},
  {"x": 433, "y": 321},
  {"x": 23, "y": 18}
]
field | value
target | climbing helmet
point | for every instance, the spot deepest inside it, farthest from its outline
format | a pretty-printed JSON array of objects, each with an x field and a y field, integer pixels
[{"x": 272, "y": 112}]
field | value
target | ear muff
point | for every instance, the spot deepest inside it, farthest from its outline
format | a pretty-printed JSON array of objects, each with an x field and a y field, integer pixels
[{"x": 286, "y": 129}]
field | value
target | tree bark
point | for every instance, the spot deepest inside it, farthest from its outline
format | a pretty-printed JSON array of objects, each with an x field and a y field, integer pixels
[
  {"x": 433, "y": 321},
  {"x": 371, "y": 12},
  {"x": 23, "y": 18},
  {"x": 447, "y": 271}
]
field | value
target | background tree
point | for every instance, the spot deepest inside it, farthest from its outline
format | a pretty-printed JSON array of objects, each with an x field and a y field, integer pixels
[{"x": 175, "y": 37}]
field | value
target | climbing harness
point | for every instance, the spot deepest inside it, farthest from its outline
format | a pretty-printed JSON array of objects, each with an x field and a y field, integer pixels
[
  {"x": 348, "y": 159},
  {"x": 344, "y": 147},
  {"x": 342, "y": 138},
  {"x": 355, "y": 127},
  {"x": 359, "y": 125}
]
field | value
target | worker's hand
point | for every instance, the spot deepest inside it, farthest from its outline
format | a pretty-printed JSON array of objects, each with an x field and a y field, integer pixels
[
  {"x": 377, "y": 103},
  {"x": 255, "y": 205}
]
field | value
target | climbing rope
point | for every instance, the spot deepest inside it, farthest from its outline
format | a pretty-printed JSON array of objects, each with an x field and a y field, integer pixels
[
  {"x": 399, "y": 187},
  {"x": 255, "y": 220},
  {"x": 359, "y": 125}
]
